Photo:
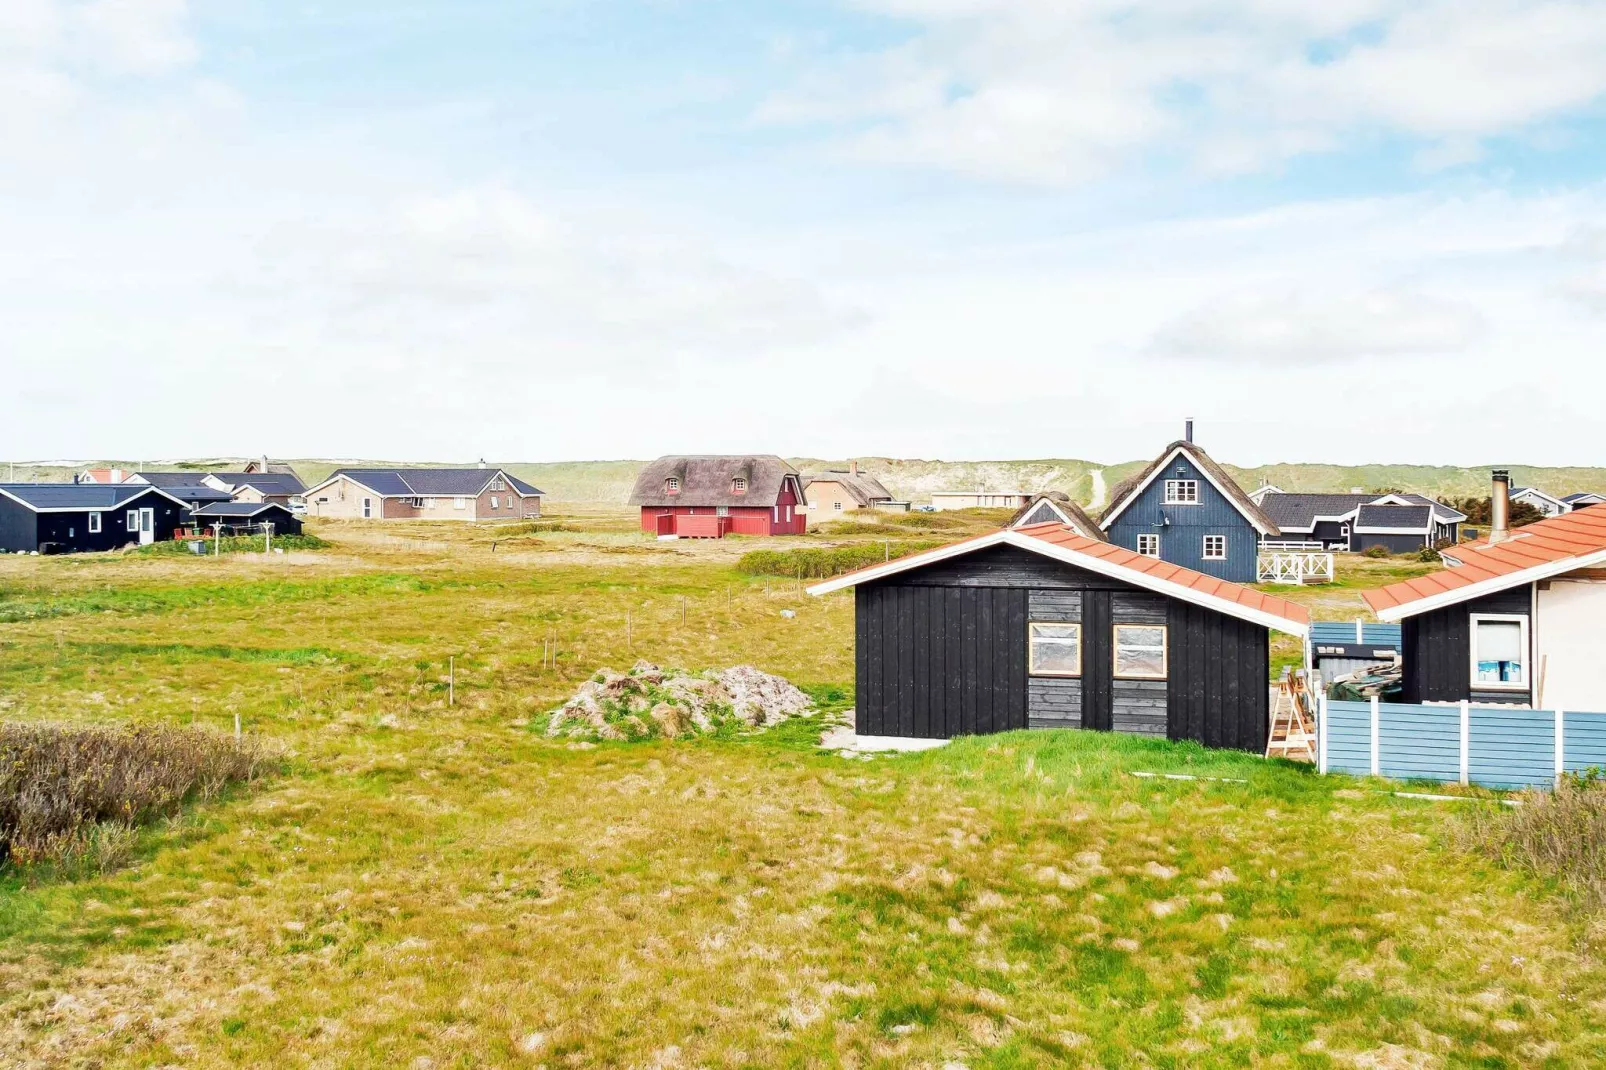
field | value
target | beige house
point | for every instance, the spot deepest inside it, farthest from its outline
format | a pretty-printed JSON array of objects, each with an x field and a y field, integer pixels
[
  {"x": 837, "y": 492},
  {"x": 423, "y": 494},
  {"x": 944, "y": 500}
]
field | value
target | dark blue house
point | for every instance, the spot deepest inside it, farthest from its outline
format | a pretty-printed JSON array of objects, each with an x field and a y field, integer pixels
[
  {"x": 68, "y": 518},
  {"x": 1184, "y": 508}
]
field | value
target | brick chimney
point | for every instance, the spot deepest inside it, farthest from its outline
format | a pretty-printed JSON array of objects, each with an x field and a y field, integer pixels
[
  {"x": 1500, "y": 507},
  {"x": 853, "y": 468}
]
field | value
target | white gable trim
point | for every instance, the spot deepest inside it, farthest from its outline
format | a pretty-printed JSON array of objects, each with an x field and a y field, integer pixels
[
  {"x": 1493, "y": 585},
  {"x": 1070, "y": 557},
  {"x": 355, "y": 482},
  {"x": 1158, "y": 470},
  {"x": 1064, "y": 518},
  {"x": 1534, "y": 492}
]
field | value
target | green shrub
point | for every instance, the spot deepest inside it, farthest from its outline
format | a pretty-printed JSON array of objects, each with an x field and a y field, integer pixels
[
  {"x": 1376, "y": 551},
  {"x": 823, "y": 563},
  {"x": 1557, "y": 835},
  {"x": 76, "y": 794},
  {"x": 233, "y": 544}
]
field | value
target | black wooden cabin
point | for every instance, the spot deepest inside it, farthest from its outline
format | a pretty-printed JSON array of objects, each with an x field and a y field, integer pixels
[
  {"x": 84, "y": 517},
  {"x": 1021, "y": 631},
  {"x": 249, "y": 517}
]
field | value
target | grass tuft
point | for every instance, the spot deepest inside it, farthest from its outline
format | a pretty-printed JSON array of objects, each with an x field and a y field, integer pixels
[{"x": 1557, "y": 835}]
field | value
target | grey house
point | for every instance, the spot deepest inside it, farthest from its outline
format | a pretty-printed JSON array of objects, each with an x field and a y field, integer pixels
[{"x": 1399, "y": 523}]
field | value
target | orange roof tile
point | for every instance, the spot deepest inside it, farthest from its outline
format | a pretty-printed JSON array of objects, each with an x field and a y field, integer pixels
[{"x": 1548, "y": 547}]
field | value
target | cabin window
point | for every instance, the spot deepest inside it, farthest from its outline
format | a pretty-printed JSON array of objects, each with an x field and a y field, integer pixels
[
  {"x": 722, "y": 510},
  {"x": 497, "y": 484},
  {"x": 94, "y": 523},
  {"x": 1499, "y": 652},
  {"x": 1182, "y": 492},
  {"x": 837, "y": 506},
  {"x": 429, "y": 503},
  {"x": 1140, "y": 651},
  {"x": 1149, "y": 544},
  {"x": 459, "y": 503},
  {"x": 495, "y": 504},
  {"x": 133, "y": 520},
  {"x": 367, "y": 508},
  {"x": 1215, "y": 547},
  {"x": 739, "y": 485},
  {"x": 672, "y": 485},
  {"x": 1055, "y": 649}
]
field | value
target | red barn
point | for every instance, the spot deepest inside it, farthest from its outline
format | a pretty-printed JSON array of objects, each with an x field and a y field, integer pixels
[{"x": 711, "y": 497}]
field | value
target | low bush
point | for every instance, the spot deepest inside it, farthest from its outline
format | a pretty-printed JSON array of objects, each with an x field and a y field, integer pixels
[
  {"x": 77, "y": 794},
  {"x": 1558, "y": 835},
  {"x": 1375, "y": 551},
  {"x": 233, "y": 544},
  {"x": 823, "y": 563}
]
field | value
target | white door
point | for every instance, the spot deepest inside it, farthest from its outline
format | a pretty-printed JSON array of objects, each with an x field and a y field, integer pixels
[
  {"x": 1567, "y": 647},
  {"x": 147, "y": 526}
]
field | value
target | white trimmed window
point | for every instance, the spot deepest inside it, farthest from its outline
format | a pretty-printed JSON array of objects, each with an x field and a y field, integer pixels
[
  {"x": 133, "y": 520},
  {"x": 1499, "y": 652},
  {"x": 459, "y": 503},
  {"x": 497, "y": 484},
  {"x": 1055, "y": 649},
  {"x": 1182, "y": 492},
  {"x": 94, "y": 523},
  {"x": 672, "y": 485},
  {"x": 367, "y": 508},
  {"x": 1215, "y": 547},
  {"x": 495, "y": 503},
  {"x": 739, "y": 485},
  {"x": 1149, "y": 544},
  {"x": 1140, "y": 651}
]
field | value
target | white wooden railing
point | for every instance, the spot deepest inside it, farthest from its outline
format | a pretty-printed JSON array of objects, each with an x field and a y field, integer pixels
[
  {"x": 1292, "y": 547},
  {"x": 1301, "y": 568}
]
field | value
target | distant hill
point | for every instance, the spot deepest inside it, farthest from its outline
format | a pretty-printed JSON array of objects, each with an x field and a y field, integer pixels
[{"x": 610, "y": 481}]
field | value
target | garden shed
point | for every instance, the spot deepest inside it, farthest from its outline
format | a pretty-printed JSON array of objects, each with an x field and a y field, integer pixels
[{"x": 1040, "y": 627}]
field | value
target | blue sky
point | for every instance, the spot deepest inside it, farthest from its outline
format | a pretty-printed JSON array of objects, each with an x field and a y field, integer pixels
[{"x": 1374, "y": 230}]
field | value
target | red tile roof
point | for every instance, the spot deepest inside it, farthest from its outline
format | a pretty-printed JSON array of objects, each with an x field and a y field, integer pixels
[
  {"x": 1064, "y": 538},
  {"x": 1248, "y": 597},
  {"x": 1549, "y": 546}
]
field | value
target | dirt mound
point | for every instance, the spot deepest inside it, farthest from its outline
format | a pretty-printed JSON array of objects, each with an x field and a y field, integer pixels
[{"x": 648, "y": 703}]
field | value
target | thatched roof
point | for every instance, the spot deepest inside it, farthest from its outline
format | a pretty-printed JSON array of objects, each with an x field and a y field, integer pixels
[
  {"x": 708, "y": 481},
  {"x": 1069, "y": 512},
  {"x": 866, "y": 490},
  {"x": 1206, "y": 464}
]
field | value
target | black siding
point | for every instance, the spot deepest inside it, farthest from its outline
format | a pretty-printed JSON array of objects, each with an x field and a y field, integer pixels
[
  {"x": 1394, "y": 544},
  {"x": 1437, "y": 649},
  {"x": 941, "y": 651},
  {"x": 71, "y": 531},
  {"x": 19, "y": 532}
]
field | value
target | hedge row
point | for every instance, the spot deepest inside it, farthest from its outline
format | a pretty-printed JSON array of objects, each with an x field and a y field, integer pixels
[{"x": 823, "y": 563}]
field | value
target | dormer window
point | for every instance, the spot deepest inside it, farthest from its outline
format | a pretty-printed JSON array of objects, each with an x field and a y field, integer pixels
[
  {"x": 672, "y": 485},
  {"x": 739, "y": 485}
]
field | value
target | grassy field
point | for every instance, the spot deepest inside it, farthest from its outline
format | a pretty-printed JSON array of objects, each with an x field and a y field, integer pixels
[{"x": 440, "y": 885}]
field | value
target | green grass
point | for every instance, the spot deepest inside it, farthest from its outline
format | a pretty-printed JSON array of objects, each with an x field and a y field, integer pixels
[{"x": 439, "y": 881}]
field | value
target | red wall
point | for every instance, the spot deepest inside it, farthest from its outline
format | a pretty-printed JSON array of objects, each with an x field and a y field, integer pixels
[{"x": 745, "y": 520}]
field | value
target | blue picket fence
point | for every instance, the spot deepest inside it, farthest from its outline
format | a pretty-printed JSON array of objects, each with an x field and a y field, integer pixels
[{"x": 1495, "y": 746}]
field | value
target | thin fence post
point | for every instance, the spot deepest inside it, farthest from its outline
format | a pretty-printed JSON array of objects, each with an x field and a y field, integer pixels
[
  {"x": 1561, "y": 747},
  {"x": 236, "y": 724},
  {"x": 1321, "y": 734},
  {"x": 1377, "y": 760},
  {"x": 1466, "y": 741}
]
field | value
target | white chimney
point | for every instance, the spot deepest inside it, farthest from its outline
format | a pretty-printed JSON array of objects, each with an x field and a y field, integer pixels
[{"x": 1500, "y": 507}]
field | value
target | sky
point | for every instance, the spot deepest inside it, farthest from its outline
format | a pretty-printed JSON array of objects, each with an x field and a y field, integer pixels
[{"x": 1361, "y": 231}]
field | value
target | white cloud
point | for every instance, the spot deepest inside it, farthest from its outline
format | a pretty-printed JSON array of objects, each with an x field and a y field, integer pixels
[
  {"x": 1047, "y": 92},
  {"x": 1291, "y": 329}
]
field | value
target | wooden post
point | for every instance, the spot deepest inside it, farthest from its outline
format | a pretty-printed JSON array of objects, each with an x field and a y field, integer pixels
[
  {"x": 1561, "y": 749},
  {"x": 1377, "y": 761},
  {"x": 1466, "y": 740},
  {"x": 451, "y": 680},
  {"x": 236, "y": 724},
  {"x": 267, "y": 538},
  {"x": 887, "y": 544},
  {"x": 1321, "y": 734}
]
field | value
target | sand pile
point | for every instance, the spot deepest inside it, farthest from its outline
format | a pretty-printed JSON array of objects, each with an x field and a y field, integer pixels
[{"x": 648, "y": 702}]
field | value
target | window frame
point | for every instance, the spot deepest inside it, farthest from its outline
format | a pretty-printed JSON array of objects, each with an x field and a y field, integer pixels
[
  {"x": 131, "y": 521},
  {"x": 672, "y": 485},
  {"x": 94, "y": 523},
  {"x": 739, "y": 485},
  {"x": 367, "y": 508},
  {"x": 1031, "y": 649},
  {"x": 1155, "y": 535},
  {"x": 1164, "y": 648},
  {"x": 1176, "y": 485},
  {"x": 1522, "y": 621},
  {"x": 1204, "y": 548}
]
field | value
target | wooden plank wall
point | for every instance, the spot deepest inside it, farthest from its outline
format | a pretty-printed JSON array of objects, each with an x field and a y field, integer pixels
[
  {"x": 1137, "y": 706},
  {"x": 1437, "y": 650}
]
